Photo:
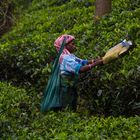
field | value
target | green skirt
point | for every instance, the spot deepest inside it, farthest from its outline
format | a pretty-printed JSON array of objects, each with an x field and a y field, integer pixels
[{"x": 68, "y": 93}]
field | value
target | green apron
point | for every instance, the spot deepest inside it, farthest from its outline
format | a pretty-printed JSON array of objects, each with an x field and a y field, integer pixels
[{"x": 51, "y": 98}]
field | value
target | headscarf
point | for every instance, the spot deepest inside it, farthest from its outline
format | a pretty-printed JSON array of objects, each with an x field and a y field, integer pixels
[{"x": 58, "y": 42}]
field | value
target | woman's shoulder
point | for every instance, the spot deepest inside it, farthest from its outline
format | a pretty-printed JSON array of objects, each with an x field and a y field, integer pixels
[{"x": 68, "y": 58}]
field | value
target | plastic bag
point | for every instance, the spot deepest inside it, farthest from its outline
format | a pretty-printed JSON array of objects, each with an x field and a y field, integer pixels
[{"x": 116, "y": 51}]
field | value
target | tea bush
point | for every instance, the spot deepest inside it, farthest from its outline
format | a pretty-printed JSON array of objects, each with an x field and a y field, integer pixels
[
  {"x": 26, "y": 56},
  {"x": 17, "y": 107},
  {"x": 26, "y": 52},
  {"x": 30, "y": 62},
  {"x": 20, "y": 118},
  {"x": 114, "y": 88}
]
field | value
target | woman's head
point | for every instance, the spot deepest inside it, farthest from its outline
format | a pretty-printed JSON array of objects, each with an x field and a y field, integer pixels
[
  {"x": 71, "y": 47},
  {"x": 69, "y": 42}
]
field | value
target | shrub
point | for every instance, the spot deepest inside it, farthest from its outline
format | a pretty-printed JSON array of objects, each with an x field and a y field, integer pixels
[
  {"x": 62, "y": 125},
  {"x": 27, "y": 51},
  {"x": 16, "y": 108}
]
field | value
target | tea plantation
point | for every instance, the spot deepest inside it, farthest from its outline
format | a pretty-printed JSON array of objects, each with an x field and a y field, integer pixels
[{"x": 108, "y": 96}]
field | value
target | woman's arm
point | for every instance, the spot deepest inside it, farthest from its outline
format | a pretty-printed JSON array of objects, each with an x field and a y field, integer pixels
[{"x": 91, "y": 64}]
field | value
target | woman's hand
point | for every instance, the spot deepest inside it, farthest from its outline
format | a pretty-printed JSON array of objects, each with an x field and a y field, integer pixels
[
  {"x": 94, "y": 63},
  {"x": 94, "y": 60},
  {"x": 98, "y": 61}
]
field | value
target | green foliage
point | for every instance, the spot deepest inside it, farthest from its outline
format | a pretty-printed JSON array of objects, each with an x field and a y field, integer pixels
[
  {"x": 114, "y": 88},
  {"x": 26, "y": 56},
  {"x": 21, "y": 119},
  {"x": 17, "y": 108},
  {"x": 34, "y": 44},
  {"x": 26, "y": 52},
  {"x": 72, "y": 126}
]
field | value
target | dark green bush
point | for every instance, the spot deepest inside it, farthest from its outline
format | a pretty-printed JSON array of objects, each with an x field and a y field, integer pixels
[
  {"x": 21, "y": 119},
  {"x": 27, "y": 51},
  {"x": 34, "y": 44},
  {"x": 17, "y": 109},
  {"x": 26, "y": 55}
]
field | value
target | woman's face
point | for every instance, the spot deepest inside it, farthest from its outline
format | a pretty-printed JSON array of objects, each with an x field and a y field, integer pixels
[{"x": 71, "y": 47}]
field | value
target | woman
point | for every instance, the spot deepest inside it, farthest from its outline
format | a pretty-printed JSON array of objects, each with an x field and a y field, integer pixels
[{"x": 70, "y": 67}]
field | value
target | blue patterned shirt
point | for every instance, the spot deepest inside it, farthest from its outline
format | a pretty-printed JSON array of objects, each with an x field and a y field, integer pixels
[{"x": 71, "y": 64}]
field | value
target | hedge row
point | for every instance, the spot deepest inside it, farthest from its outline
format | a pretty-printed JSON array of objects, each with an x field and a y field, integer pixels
[
  {"x": 21, "y": 119},
  {"x": 27, "y": 51}
]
